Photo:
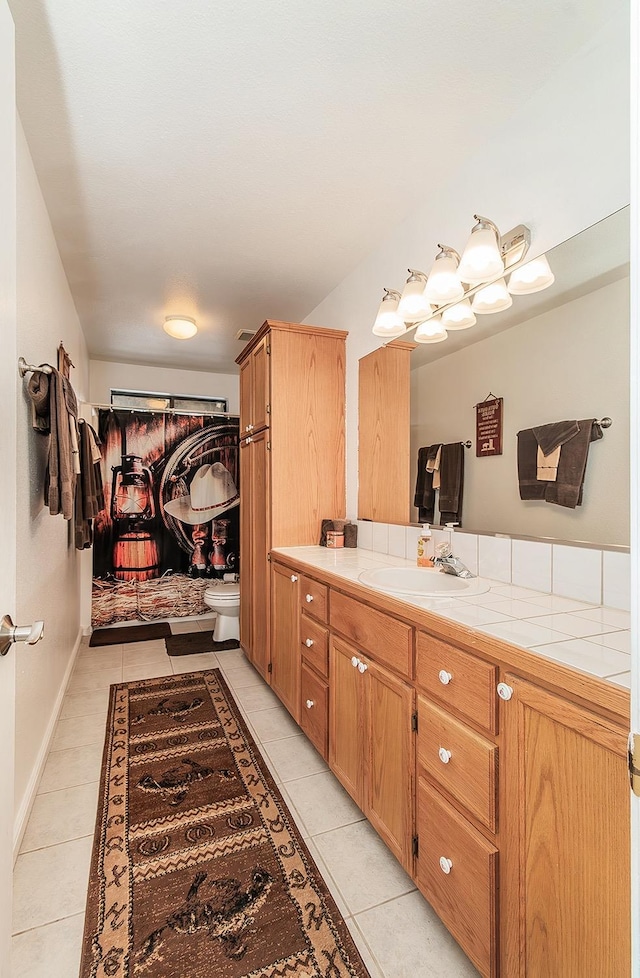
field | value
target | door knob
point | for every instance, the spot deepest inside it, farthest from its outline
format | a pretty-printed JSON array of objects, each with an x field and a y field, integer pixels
[{"x": 10, "y": 633}]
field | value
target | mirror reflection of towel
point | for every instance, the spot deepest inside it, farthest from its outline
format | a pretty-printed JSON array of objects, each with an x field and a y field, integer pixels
[
  {"x": 451, "y": 482},
  {"x": 567, "y": 490}
]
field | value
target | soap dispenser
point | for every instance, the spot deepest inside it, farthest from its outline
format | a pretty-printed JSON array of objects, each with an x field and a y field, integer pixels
[{"x": 424, "y": 560}]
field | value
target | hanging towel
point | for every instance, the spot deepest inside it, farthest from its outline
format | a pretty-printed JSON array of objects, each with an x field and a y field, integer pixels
[
  {"x": 38, "y": 391},
  {"x": 568, "y": 488},
  {"x": 529, "y": 485},
  {"x": 60, "y": 481},
  {"x": 433, "y": 465},
  {"x": 451, "y": 482},
  {"x": 552, "y": 436},
  {"x": 424, "y": 498},
  {"x": 89, "y": 496}
]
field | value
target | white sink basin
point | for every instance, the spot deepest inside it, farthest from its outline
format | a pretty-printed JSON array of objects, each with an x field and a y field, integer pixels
[{"x": 425, "y": 582}]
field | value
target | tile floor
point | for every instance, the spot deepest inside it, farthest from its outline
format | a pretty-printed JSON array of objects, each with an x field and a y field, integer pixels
[{"x": 399, "y": 936}]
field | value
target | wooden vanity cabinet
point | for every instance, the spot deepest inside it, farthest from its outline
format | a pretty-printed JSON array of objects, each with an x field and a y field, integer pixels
[
  {"x": 285, "y": 638},
  {"x": 255, "y": 537},
  {"x": 565, "y": 854}
]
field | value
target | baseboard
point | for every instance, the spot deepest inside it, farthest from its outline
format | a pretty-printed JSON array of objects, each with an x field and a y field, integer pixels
[{"x": 22, "y": 816}]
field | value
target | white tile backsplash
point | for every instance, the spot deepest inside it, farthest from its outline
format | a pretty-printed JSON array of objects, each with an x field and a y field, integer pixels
[
  {"x": 397, "y": 541},
  {"x": 577, "y": 573},
  {"x": 380, "y": 538},
  {"x": 531, "y": 564},
  {"x": 494, "y": 558},
  {"x": 465, "y": 546},
  {"x": 439, "y": 536},
  {"x": 365, "y": 535},
  {"x": 616, "y": 580}
]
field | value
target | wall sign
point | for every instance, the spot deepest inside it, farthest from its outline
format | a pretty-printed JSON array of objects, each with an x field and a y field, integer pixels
[{"x": 489, "y": 426}]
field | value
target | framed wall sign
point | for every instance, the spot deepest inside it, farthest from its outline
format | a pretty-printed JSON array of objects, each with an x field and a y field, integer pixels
[{"x": 489, "y": 426}]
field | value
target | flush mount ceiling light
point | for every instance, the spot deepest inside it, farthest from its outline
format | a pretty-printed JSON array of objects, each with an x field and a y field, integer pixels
[
  {"x": 457, "y": 288},
  {"x": 180, "y": 327}
]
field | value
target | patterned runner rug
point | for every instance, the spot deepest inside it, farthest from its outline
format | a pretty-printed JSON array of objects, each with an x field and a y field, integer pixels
[{"x": 198, "y": 870}]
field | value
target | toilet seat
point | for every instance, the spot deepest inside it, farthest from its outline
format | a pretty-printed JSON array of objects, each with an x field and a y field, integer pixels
[{"x": 223, "y": 592}]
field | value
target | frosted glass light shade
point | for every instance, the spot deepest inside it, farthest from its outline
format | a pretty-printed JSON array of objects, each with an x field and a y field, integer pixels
[
  {"x": 430, "y": 332},
  {"x": 413, "y": 305},
  {"x": 460, "y": 316},
  {"x": 535, "y": 276},
  {"x": 180, "y": 327},
  {"x": 493, "y": 298},
  {"x": 389, "y": 322},
  {"x": 443, "y": 284},
  {"x": 481, "y": 259}
]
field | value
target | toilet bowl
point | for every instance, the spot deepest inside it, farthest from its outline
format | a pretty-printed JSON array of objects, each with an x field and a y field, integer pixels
[{"x": 224, "y": 599}]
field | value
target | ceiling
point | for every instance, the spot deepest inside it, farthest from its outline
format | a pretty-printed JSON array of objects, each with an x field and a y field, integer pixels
[{"x": 234, "y": 161}]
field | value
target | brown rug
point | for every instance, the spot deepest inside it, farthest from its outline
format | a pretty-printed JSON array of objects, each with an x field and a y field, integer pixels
[
  {"x": 130, "y": 633},
  {"x": 191, "y": 643},
  {"x": 198, "y": 870}
]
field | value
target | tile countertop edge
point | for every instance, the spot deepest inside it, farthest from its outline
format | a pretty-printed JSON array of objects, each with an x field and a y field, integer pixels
[{"x": 591, "y": 689}]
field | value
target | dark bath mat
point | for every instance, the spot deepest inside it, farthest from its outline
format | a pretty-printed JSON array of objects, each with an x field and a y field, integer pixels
[
  {"x": 130, "y": 633},
  {"x": 191, "y": 643}
]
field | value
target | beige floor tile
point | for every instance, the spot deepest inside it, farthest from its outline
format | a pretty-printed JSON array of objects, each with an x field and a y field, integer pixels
[
  {"x": 87, "y": 650},
  {"x": 52, "y": 951},
  {"x": 253, "y": 698},
  {"x": 409, "y": 941},
  {"x": 365, "y": 871},
  {"x": 67, "y": 768},
  {"x": 241, "y": 677},
  {"x": 184, "y": 627},
  {"x": 92, "y": 659},
  {"x": 327, "y": 877},
  {"x": 207, "y": 622},
  {"x": 293, "y": 758},
  {"x": 59, "y": 816},
  {"x": 94, "y": 679},
  {"x": 79, "y": 731},
  {"x": 274, "y": 724},
  {"x": 365, "y": 952},
  {"x": 233, "y": 657},
  {"x": 85, "y": 704},
  {"x": 146, "y": 671},
  {"x": 135, "y": 656},
  {"x": 194, "y": 663},
  {"x": 322, "y": 802},
  {"x": 154, "y": 645},
  {"x": 51, "y": 883}
]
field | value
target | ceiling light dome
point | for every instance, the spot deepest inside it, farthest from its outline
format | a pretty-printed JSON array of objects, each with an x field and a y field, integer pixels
[
  {"x": 481, "y": 259},
  {"x": 493, "y": 298},
  {"x": 443, "y": 284},
  {"x": 389, "y": 322},
  {"x": 460, "y": 316},
  {"x": 535, "y": 276},
  {"x": 413, "y": 304},
  {"x": 431, "y": 331},
  {"x": 180, "y": 327}
]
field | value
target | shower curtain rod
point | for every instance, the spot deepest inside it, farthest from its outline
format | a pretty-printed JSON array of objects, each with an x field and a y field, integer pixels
[{"x": 143, "y": 410}]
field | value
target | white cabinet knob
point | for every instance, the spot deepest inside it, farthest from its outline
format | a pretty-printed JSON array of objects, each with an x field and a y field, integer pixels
[
  {"x": 505, "y": 692},
  {"x": 250, "y": 427},
  {"x": 248, "y": 441},
  {"x": 444, "y": 755},
  {"x": 445, "y": 677},
  {"x": 309, "y": 704},
  {"x": 294, "y": 578},
  {"x": 308, "y": 642},
  {"x": 362, "y": 667},
  {"x": 308, "y": 598},
  {"x": 247, "y": 427},
  {"x": 445, "y": 865},
  {"x": 355, "y": 661}
]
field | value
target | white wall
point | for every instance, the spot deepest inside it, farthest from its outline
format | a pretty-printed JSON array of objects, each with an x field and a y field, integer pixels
[
  {"x": 571, "y": 362},
  {"x": 559, "y": 166},
  {"x": 47, "y": 563},
  {"x": 162, "y": 380}
]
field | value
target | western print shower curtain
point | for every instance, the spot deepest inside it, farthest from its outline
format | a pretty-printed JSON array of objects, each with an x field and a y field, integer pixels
[{"x": 171, "y": 518}]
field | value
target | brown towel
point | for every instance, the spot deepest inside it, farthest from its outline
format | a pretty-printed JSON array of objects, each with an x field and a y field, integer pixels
[
  {"x": 528, "y": 483},
  {"x": 424, "y": 497},
  {"x": 38, "y": 391},
  {"x": 351, "y": 535},
  {"x": 89, "y": 497},
  {"x": 451, "y": 482},
  {"x": 547, "y": 465},
  {"x": 552, "y": 436},
  {"x": 60, "y": 482},
  {"x": 568, "y": 488}
]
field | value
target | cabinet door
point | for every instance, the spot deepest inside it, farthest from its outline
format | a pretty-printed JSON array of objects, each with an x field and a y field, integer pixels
[
  {"x": 256, "y": 525},
  {"x": 246, "y": 396},
  {"x": 285, "y": 640},
  {"x": 260, "y": 385},
  {"x": 347, "y": 715},
  {"x": 246, "y": 548},
  {"x": 390, "y": 761},
  {"x": 566, "y": 879}
]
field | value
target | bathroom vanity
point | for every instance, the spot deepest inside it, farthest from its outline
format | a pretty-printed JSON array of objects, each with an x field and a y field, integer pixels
[{"x": 496, "y": 776}]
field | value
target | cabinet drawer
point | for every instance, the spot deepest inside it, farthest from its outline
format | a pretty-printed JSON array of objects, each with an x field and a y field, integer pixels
[
  {"x": 314, "y": 709},
  {"x": 457, "y": 874},
  {"x": 460, "y": 760},
  {"x": 457, "y": 679},
  {"x": 388, "y": 640},
  {"x": 315, "y": 644},
  {"x": 314, "y": 598}
]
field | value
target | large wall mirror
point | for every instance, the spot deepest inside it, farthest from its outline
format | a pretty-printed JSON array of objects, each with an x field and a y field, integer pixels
[{"x": 558, "y": 354}]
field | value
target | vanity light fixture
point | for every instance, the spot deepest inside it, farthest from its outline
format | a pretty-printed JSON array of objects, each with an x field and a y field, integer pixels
[
  {"x": 180, "y": 327},
  {"x": 535, "y": 276},
  {"x": 481, "y": 259},
  {"x": 431, "y": 331},
  {"x": 389, "y": 322},
  {"x": 492, "y": 298},
  {"x": 443, "y": 284},
  {"x": 460, "y": 316},
  {"x": 413, "y": 305}
]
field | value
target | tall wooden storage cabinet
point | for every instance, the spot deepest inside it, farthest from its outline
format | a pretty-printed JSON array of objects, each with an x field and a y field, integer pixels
[{"x": 292, "y": 461}]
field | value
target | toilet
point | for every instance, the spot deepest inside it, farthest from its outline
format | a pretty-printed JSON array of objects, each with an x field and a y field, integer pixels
[{"x": 224, "y": 599}]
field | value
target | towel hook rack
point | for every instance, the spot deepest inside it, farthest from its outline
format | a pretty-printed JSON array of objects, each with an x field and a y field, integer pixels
[{"x": 28, "y": 368}]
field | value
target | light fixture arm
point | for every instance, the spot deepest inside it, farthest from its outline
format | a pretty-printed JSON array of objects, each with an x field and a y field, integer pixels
[
  {"x": 391, "y": 294},
  {"x": 484, "y": 222}
]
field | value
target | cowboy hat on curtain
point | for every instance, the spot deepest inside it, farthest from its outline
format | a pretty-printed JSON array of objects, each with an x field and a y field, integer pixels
[{"x": 211, "y": 493}]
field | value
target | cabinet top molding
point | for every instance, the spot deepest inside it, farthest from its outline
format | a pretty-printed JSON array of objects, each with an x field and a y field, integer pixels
[{"x": 274, "y": 324}]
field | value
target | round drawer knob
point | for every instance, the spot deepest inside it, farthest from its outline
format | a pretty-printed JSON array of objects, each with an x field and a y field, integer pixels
[
  {"x": 445, "y": 677},
  {"x": 309, "y": 704},
  {"x": 294, "y": 578},
  {"x": 355, "y": 661},
  {"x": 445, "y": 865},
  {"x": 308, "y": 598},
  {"x": 308, "y": 642},
  {"x": 362, "y": 667},
  {"x": 444, "y": 755},
  {"x": 505, "y": 692},
  {"x": 250, "y": 427},
  {"x": 248, "y": 440}
]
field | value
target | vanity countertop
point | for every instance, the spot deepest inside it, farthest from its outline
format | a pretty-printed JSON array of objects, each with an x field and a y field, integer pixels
[{"x": 588, "y": 637}]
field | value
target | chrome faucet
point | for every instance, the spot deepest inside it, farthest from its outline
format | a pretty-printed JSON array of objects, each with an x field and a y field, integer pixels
[{"x": 449, "y": 564}]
